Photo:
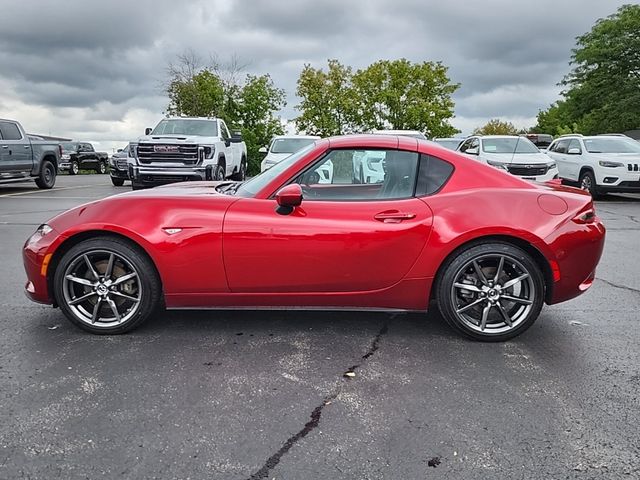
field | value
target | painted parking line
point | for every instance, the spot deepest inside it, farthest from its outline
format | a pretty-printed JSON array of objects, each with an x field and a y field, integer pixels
[{"x": 45, "y": 191}]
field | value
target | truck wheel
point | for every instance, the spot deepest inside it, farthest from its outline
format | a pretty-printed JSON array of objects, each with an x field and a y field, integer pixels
[
  {"x": 242, "y": 173},
  {"x": 136, "y": 186},
  {"x": 74, "y": 169},
  {"x": 118, "y": 182},
  {"x": 218, "y": 173},
  {"x": 47, "y": 177},
  {"x": 102, "y": 168}
]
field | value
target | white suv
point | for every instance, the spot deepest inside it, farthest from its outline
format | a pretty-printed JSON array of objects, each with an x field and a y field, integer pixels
[
  {"x": 282, "y": 146},
  {"x": 512, "y": 153},
  {"x": 600, "y": 164}
]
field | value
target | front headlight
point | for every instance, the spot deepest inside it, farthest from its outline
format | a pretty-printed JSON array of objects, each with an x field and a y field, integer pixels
[
  {"x": 133, "y": 150},
  {"x": 551, "y": 165},
  {"x": 44, "y": 229},
  {"x": 606, "y": 163},
  {"x": 499, "y": 165},
  {"x": 65, "y": 156},
  {"x": 209, "y": 151}
]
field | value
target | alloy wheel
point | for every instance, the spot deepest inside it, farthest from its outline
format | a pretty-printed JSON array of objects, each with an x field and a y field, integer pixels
[{"x": 493, "y": 294}]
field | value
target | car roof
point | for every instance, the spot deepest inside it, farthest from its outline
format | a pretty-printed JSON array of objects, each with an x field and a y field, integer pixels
[
  {"x": 313, "y": 137},
  {"x": 396, "y": 132}
]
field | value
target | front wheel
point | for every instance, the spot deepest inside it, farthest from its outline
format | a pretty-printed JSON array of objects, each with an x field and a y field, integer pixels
[
  {"x": 218, "y": 173},
  {"x": 241, "y": 175},
  {"x": 102, "y": 168},
  {"x": 491, "y": 292},
  {"x": 588, "y": 182},
  {"x": 106, "y": 286},
  {"x": 47, "y": 177},
  {"x": 74, "y": 169},
  {"x": 118, "y": 182}
]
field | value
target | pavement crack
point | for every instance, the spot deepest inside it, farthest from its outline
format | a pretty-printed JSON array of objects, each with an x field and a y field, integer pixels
[
  {"x": 316, "y": 414},
  {"x": 615, "y": 285}
]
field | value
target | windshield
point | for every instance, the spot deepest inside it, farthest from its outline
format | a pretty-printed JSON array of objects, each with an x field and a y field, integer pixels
[
  {"x": 611, "y": 145},
  {"x": 179, "y": 126},
  {"x": 289, "y": 145},
  {"x": 450, "y": 144},
  {"x": 257, "y": 183},
  {"x": 69, "y": 146},
  {"x": 508, "y": 145}
]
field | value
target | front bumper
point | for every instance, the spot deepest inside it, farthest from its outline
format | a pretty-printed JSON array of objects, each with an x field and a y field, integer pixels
[
  {"x": 162, "y": 176},
  {"x": 36, "y": 251},
  {"x": 120, "y": 174}
]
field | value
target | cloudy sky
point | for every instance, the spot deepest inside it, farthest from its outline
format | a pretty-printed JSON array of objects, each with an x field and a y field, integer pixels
[{"x": 93, "y": 70}]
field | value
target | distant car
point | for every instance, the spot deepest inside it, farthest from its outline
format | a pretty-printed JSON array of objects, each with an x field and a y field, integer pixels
[
  {"x": 78, "y": 156},
  {"x": 540, "y": 140},
  {"x": 282, "y": 146},
  {"x": 119, "y": 164},
  {"x": 488, "y": 248},
  {"x": 511, "y": 153},
  {"x": 450, "y": 143},
  {"x": 600, "y": 163},
  {"x": 402, "y": 133}
]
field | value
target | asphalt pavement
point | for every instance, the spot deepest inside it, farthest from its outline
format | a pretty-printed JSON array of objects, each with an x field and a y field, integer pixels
[{"x": 249, "y": 395}]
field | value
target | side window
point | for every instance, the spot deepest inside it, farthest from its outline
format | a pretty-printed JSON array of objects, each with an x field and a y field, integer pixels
[
  {"x": 562, "y": 146},
  {"x": 475, "y": 143},
  {"x": 224, "y": 133},
  {"x": 361, "y": 175},
  {"x": 10, "y": 131},
  {"x": 433, "y": 173},
  {"x": 466, "y": 145},
  {"x": 574, "y": 144}
]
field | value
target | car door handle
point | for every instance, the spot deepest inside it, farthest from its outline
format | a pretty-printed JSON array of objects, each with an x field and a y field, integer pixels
[
  {"x": 393, "y": 217},
  {"x": 27, "y": 146},
  {"x": 5, "y": 146}
]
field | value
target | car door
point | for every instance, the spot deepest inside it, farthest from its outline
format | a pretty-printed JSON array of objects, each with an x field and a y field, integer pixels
[
  {"x": 90, "y": 158},
  {"x": 15, "y": 151},
  {"x": 233, "y": 153},
  {"x": 558, "y": 152},
  {"x": 346, "y": 236},
  {"x": 574, "y": 158}
]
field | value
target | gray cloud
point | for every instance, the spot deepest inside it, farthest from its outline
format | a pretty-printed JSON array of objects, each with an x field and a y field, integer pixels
[{"x": 74, "y": 63}]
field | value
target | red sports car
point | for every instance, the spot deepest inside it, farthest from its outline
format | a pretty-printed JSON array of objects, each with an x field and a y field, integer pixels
[{"x": 356, "y": 222}]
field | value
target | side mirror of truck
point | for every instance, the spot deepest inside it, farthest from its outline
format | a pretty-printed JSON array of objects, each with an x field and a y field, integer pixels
[
  {"x": 262, "y": 150},
  {"x": 236, "y": 137},
  {"x": 148, "y": 130}
]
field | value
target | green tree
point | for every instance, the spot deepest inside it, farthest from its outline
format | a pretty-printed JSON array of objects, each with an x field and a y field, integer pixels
[
  {"x": 403, "y": 95},
  {"x": 216, "y": 90},
  {"x": 496, "y": 126}
]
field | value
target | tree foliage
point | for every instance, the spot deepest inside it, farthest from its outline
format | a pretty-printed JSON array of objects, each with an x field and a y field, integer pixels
[
  {"x": 496, "y": 126},
  {"x": 602, "y": 91},
  {"x": 386, "y": 95},
  {"x": 247, "y": 103}
]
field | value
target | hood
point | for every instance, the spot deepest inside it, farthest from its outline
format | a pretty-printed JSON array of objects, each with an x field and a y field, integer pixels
[
  {"x": 518, "y": 158},
  {"x": 620, "y": 157},
  {"x": 178, "y": 139}
]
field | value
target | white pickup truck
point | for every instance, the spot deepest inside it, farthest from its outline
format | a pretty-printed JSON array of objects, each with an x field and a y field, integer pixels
[
  {"x": 24, "y": 158},
  {"x": 187, "y": 148}
]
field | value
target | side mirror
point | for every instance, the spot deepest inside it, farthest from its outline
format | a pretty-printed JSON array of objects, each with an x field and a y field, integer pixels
[
  {"x": 472, "y": 151},
  {"x": 574, "y": 151},
  {"x": 236, "y": 137},
  {"x": 119, "y": 150},
  {"x": 288, "y": 198},
  {"x": 262, "y": 150},
  {"x": 148, "y": 130}
]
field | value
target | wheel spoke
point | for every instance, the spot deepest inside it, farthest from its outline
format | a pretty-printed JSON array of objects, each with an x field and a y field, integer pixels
[
  {"x": 505, "y": 315},
  {"x": 81, "y": 281},
  {"x": 114, "y": 309},
  {"x": 499, "y": 270},
  {"x": 480, "y": 273},
  {"x": 122, "y": 295},
  {"x": 96, "y": 310},
  {"x": 511, "y": 283},
  {"x": 91, "y": 268},
  {"x": 524, "y": 301},
  {"x": 485, "y": 316},
  {"x": 109, "y": 271},
  {"x": 75, "y": 301},
  {"x": 472, "y": 304},
  {"x": 124, "y": 278},
  {"x": 470, "y": 288}
]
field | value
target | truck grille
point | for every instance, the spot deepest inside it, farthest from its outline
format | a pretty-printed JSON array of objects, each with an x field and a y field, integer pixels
[
  {"x": 187, "y": 154},
  {"x": 633, "y": 167},
  {"x": 527, "y": 170},
  {"x": 121, "y": 163}
]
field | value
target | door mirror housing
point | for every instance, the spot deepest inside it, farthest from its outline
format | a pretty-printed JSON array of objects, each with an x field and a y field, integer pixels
[
  {"x": 288, "y": 198},
  {"x": 236, "y": 137},
  {"x": 148, "y": 130},
  {"x": 472, "y": 151},
  {"x": 262, "y": 150},
  {"x": 574, "y": 151}
]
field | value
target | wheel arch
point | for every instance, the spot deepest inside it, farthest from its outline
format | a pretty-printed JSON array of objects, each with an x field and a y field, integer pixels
[
  {"x": 531, "y": 249},
  {"x": 51, "y": 158},
  {"x": 79, "y": 237}
]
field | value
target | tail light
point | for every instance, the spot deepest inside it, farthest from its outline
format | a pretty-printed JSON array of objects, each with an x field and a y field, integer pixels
[{"x": 586, "y": 216}]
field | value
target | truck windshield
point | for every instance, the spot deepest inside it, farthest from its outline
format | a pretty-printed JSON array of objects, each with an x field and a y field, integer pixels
[
  {"x": 180, "y": 126},
  {"x": 69, "y": 146},
  {"x": 611, "y": 145},
  {"x": 290, "y": 145},
  {"x": 508, "y": 145}
]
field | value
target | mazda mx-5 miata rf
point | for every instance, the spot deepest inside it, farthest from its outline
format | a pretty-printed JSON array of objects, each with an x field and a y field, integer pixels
[{"x": 311, "y": 232}]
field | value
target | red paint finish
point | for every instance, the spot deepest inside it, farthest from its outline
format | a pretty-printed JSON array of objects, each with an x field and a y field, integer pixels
[{"x": 228, "y": 251}]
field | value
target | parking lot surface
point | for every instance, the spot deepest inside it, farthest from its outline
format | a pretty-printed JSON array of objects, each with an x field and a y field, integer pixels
[{"x": 240, "y": 395}]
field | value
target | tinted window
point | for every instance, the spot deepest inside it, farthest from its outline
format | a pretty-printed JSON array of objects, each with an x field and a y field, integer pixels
[
  {"x": 432, "y": 175},
  {"x": 466, "y": 145},
  {"x": 10, "y": 131},
  {"x": 562, "y": 146},
  {"x": 361, "y": 175}
]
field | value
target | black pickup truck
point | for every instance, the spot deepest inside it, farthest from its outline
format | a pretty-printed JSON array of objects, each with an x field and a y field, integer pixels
[{"x": 78, "y": 156}]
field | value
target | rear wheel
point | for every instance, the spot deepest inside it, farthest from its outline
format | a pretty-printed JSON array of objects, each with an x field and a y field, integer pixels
[
  {"x": 47, "y": 177},
  {"x": 491, "y": 292},
  {"x": 106, "y": 286}
]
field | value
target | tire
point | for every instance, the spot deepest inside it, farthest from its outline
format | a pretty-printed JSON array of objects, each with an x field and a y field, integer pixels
[
  {"x": 588, "y": 182},
  {"x": 106, "y": 305},
  {"x": 102, "y": 168},
  {"x": 480, "y": 308},
  {"x": 241, "y": 175},
  {"x": 47, "y": 178},
  {"x": 218, "y": 173},
  {"x": 74, "y": 169},
  {"x": 118, "y": 182},
  {"x": 137, "y": 186}
]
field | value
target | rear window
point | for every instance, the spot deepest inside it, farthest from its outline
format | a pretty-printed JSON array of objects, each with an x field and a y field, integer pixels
[{"x": 433, "y": 173}]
